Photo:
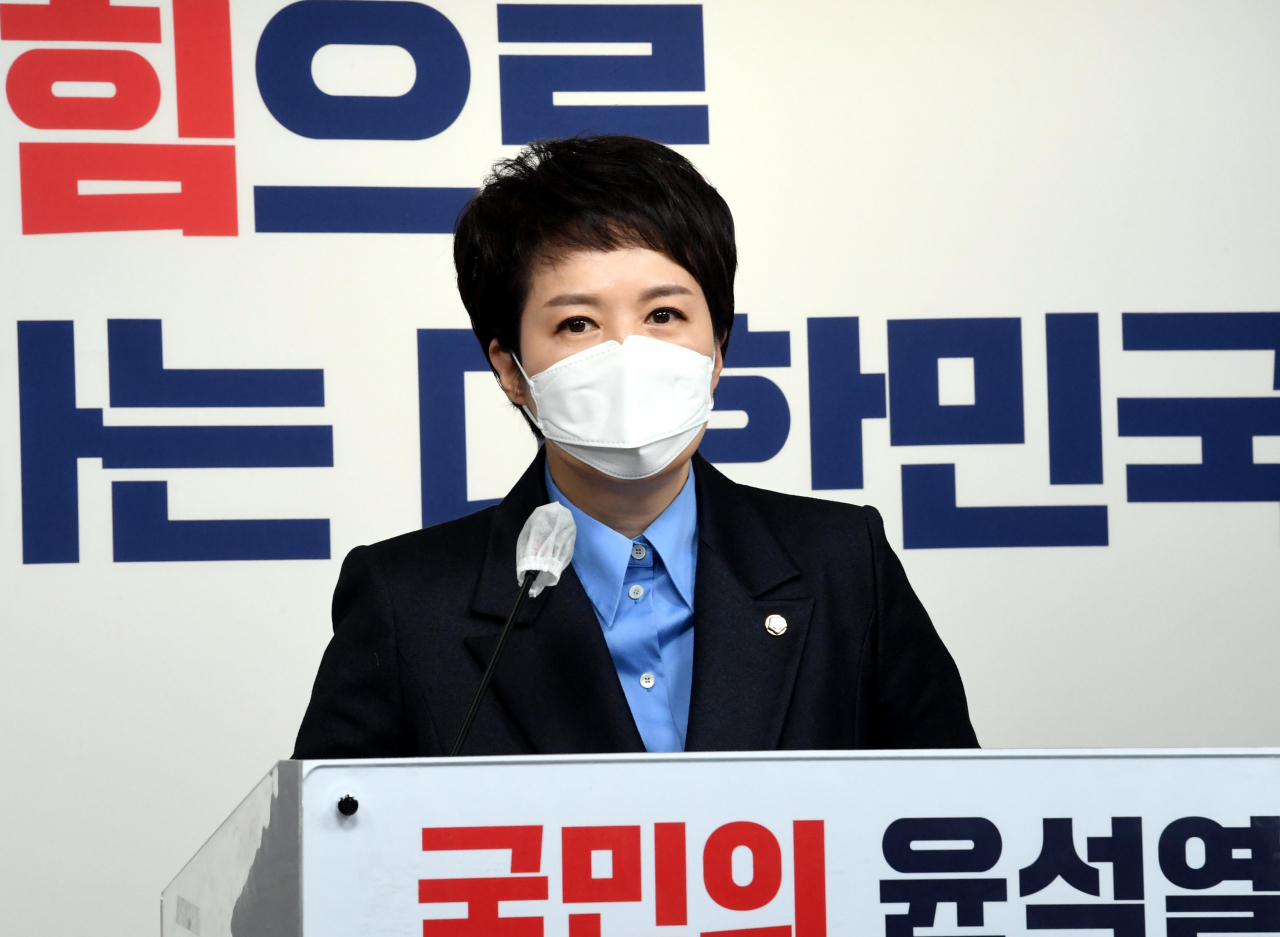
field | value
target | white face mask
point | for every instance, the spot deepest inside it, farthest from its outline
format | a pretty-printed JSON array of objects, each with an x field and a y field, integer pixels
[{"x": 627, "y": 410}]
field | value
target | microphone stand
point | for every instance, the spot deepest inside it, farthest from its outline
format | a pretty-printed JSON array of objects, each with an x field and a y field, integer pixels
[{"x": 529, "y": 577}]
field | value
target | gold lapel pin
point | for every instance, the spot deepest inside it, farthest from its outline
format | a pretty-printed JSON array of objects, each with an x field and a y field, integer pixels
[{"x": 775, "y": 624}]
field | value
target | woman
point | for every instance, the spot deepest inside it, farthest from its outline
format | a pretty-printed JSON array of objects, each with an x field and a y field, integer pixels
[{"x": 698, "y": 614}]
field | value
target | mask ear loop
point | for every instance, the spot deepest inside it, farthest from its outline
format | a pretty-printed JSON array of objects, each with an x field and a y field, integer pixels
[{"x": 528, "y": 383}]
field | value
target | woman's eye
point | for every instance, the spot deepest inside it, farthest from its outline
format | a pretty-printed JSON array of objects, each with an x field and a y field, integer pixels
[
  {"x": 577, "y": 326},
  {"x": 663, "y": 316}
]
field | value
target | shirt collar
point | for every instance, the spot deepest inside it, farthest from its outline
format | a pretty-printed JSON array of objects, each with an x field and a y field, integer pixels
[
  {"x": 674, "y": 534},
  {"x": 601, "y": 554}
]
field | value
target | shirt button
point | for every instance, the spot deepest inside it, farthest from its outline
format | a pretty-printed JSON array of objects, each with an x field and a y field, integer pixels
[
  {"x": 646, "y": 680},
  {"x": 638, "y": 551},
  {"x": 636, "y": 592}
]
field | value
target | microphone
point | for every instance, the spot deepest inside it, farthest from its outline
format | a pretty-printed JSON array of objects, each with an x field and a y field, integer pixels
[{"x": 543, "y": 549}]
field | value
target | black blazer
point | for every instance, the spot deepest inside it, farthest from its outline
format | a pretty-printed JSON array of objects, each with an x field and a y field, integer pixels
[{"x": 416, "y": 618}]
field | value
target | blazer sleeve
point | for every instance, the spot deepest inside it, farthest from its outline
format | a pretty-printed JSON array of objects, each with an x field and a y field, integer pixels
[
  {"x": 356, "y": 708},
  {"x": 919, "y": 697}
]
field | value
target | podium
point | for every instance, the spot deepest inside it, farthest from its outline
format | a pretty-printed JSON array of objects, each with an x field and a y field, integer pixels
[{"x": 795, "y": 844}]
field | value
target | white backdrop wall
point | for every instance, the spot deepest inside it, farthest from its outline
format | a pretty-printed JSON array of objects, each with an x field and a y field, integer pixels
[{"x": 904, "y": 163}]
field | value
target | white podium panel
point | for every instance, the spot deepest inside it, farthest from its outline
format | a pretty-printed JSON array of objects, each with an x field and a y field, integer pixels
[{"x": 753, "y": 845}]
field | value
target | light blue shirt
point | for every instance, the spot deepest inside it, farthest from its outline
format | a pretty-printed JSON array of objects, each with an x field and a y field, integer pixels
[{"x": 642, "y": 591}]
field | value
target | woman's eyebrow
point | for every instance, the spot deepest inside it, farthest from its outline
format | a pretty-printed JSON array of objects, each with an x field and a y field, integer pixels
[
  {"x": 588, "y": 299},
  {"x": 572, "y": 299},
  {"x": 667, "y": 289}
]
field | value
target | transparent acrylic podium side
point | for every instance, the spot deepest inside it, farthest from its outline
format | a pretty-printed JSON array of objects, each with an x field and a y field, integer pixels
[{"x": 246, "y": 879}]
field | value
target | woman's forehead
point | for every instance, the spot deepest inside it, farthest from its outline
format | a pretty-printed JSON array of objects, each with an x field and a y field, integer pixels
[{"x": 625, "y": 268}]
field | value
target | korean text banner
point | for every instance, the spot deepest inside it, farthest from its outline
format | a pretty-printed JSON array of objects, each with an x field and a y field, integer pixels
[
  {"x": 746, "y": 845},
  {"x": 1008, "y": 273}
]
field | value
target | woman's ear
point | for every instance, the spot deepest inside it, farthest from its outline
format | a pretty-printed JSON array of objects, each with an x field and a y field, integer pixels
[
  {"x": 509, "y": 376},
  {"x": 719, "y": 365}
]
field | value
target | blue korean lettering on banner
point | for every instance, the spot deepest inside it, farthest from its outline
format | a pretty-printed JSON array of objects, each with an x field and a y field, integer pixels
[
  {"x": 54, "y": 433},
  {"x": 1122, "y": 920},
  {"x": 931, "y": 517},
  {"x": 528, "y": 86},
  {"x": 768, "y": 416},
  {"x": 357, "y": 209},
  {"x": 1263, "y": 915},
  {"x": 439, "y": 92},
  {"x": 142, "y": 532},
  {"x": 1223, "y": 862},
  {"x": 1226, "y": 425},
  {"x": 922, "y": 896},
  {"x": 917, "y": 417},
  {"x": 529, "y": 82},
  {"x": 295, "y": 34},
  {"x": 1075, "y": 398},
  {"x": 138, "y": 377},
  {"x": 1222, "y": 845},
  {"x": 840, "y": 398},
  {"x": 444, "y": 358},
  {"x": 1058, "y": 859}
]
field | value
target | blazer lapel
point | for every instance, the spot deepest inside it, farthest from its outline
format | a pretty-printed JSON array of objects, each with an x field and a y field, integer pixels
[
  {"x": 743, "y": 675},
  {"x": 556, "y": 679}
]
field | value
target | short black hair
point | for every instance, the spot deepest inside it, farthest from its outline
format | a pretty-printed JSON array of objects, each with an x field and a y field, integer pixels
[{"x": 588, "y": 192}]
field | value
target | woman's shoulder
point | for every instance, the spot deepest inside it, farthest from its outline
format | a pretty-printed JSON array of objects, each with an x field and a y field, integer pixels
[
  {"x": 802, "y": 516},
  {"x": 441, "y": 548},
  {"x": 817, "y": 523},
  {"x": 806, "y": 508}
]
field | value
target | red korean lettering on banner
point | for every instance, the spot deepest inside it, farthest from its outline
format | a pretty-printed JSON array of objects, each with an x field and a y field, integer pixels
[
  {"x": 78, "y": 187},
  {"x": 810, "y": 857},
  {"x": 671, "y": 893},
  {"x": 603, "y": 864},
  {"x": 580, "y": 881},
  {"x": 202, "y": 58},
  {"x": 809, "y": 885},
  {"x": 578, "y": 844},
  {"x": 31, "y": 88},
  {"x": 53, "y": 175},
  {"x": 79, "y": 21},
  {"x": 766, "y": 866},
  {"x": 482, "y": 895}
]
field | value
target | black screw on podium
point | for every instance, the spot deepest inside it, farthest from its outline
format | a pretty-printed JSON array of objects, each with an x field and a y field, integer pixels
[{"x": 348, "y": 805}]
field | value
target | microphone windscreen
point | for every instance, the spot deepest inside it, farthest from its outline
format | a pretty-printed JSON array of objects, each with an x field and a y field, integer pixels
[{"x": 546, "y": 545}]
